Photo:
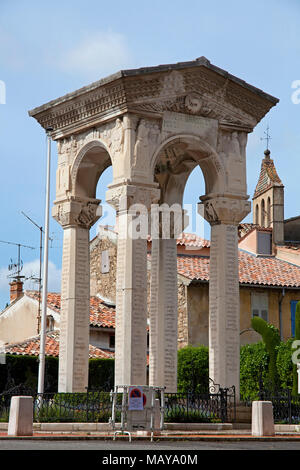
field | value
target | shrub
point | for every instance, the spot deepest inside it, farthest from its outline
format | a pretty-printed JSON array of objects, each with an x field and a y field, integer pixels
[
  {"x": 193, "y": 369},
  {"x": 297, "y": 337},
  {"x": 284, "y": 363},
  {"x": 254, "y": 361},
  {"x": 271, "y": 338}
]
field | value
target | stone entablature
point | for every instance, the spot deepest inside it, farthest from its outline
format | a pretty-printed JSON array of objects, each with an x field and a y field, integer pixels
[{"x": 196, "y": 87}]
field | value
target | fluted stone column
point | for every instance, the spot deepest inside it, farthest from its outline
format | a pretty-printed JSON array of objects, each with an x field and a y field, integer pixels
[
  {"x": 131, "y": 282},
  {"x": 76, "y": 217},
  {"x": 224, "y": 215}
]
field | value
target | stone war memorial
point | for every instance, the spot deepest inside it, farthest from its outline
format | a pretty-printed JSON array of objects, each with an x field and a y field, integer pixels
[{"x": 153, "y": 125}]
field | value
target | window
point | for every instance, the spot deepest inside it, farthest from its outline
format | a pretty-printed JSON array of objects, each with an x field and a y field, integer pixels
[
  {"x": 269, "y": 212},
  {"x": 264, "y": 243},
  {"x": 259, "y": 305},
  {"x": 293, "y": 315},
  {"x": 104, "y": 262},
  {"x": 112, "y": 341},
  {"x": 263, "y": 213},
  {"x": 257, "y": 214}
]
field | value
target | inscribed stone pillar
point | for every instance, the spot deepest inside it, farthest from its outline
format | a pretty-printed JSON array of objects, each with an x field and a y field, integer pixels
[
  {"x": 76, "y": 218},
  {"x": 131, "y": 283},
  {"x": 224, "y": 214},
  {"x": 163, "y": 315}
]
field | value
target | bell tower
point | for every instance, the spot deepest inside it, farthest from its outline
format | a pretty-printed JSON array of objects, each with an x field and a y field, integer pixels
[{"x": 268, "y": 199}]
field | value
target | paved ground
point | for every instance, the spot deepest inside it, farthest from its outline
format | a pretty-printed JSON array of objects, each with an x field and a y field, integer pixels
[{"x": 104, "y": 447}]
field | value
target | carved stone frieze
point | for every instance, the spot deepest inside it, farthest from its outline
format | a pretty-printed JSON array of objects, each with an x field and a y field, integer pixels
[
  {"x": 148, "y": 136},
  {"x": 123, "y": 196},
  {"x": 77, "y": 212},
  {"x": 225, "y": 210}
]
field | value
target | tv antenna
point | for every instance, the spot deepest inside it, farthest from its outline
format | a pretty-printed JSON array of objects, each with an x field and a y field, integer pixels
[
  {"x": 18, "y": 266},
  {"x": 39, "y": 279}
]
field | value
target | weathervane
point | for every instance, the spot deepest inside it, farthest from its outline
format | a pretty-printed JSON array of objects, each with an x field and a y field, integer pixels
[{"x": 268, "y": 137}]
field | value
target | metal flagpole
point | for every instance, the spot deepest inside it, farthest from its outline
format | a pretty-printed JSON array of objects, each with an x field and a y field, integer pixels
[{"x": 41, "y": 377}]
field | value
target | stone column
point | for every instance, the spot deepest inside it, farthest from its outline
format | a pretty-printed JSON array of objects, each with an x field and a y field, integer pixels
[
  {"x": 131, "y": 282},
  {"x": 163, "y": 315},
  {"x": 76, "y": 217},
  {"x": 164, "y": 308},
  {"x": 224, "y": 215}
]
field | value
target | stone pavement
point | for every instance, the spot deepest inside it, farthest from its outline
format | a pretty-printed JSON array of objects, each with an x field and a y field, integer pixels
[{"x": 232, "y": 435}]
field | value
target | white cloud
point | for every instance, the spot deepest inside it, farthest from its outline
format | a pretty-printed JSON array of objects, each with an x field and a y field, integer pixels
[
  {"x": 96, "y": 54},
  {"x": 32, "y": 269}
]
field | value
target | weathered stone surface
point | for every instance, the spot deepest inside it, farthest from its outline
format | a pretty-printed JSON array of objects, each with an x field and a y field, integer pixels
[
  {"x": 154, "y": 126},
  {"x": 262, "y": 418},
  {"x": 20, "y": 416}
]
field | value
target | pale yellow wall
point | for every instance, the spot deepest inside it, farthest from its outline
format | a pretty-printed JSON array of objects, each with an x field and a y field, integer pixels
[
  {"x": 288, "y": 254},
  {"x": 198, "y": 308},
  {"x": 19, "y": 321},
  {"x": 249, "y": 243}
]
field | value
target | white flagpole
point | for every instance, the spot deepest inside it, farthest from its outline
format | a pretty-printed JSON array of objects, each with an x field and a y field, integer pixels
[{"x": 41, "y": 377}]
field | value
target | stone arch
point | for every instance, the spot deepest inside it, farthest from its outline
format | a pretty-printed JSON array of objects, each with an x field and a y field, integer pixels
[
  {"x": 189, "y": 151},
  {"x": 88, "y": 165}
]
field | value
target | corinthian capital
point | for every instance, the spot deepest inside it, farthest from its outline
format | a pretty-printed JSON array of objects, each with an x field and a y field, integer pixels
[
  {"x": 225, "y": 210},
  {"x": 81, "y": 212}
]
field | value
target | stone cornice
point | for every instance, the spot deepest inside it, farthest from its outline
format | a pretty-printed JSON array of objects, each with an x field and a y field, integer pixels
[{"x": 195, "y": 87}]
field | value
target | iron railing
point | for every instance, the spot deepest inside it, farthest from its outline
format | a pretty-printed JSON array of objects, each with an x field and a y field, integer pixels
[
  {"x": 286, "y": 407},
  {"x": 218, "y": 404}
]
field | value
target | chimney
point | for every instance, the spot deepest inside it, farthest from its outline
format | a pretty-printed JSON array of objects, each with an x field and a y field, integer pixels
[{"x": 16, "y": 290}]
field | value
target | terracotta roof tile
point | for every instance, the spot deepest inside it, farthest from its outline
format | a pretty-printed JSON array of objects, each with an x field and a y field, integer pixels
[
  {"x": 101, "y": 314},
  {"x": 268, "y": 176},
  {"x": 253, "y": 269},
  {"x": 31, "y": 347}
]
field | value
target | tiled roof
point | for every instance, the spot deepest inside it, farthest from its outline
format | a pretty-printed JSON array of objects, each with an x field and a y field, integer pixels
[
  {"x": 31, "y": 347},
  {"x": 268, "y": 175},
  {"x": 255, "y": 270},
  {"x": 191, "y": 240},
  {"x": 101, "y": 314}
]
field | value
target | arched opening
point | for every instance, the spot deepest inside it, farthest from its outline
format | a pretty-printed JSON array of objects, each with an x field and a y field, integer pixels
[
  {"x": 268, "y": 212},
  {"x": 90, "y": 163},
  {"x": 256, "y": 221},
  {"x": 177, "y": 157},
  {"x": 262, "y": 214}
]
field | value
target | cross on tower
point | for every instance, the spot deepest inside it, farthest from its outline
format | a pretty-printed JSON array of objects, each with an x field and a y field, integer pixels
[{"x": 268, "y": 137}]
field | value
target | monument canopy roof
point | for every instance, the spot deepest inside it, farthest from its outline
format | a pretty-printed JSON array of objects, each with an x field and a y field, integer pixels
[{"x": 157, "y": 89}]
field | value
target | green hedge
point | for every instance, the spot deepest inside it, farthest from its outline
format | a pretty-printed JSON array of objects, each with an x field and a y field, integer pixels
[
  {"x": 254, "y": 363},
  {"x": 24, "y": 370},
  {"x": 271, "y": 338},
  {"x": 193, "y": 369}
]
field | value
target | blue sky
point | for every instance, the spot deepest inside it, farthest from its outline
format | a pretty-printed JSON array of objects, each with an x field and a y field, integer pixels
[{"x": 50, "y": 48}]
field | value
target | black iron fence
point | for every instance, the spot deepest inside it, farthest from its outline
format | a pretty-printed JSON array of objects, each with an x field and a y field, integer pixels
[
  {"x": 286, "y": 407},
  {"x": 217, "y": 405}
]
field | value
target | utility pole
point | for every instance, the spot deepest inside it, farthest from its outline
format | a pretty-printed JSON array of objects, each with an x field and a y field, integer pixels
[{"x": 41, "y": 376}]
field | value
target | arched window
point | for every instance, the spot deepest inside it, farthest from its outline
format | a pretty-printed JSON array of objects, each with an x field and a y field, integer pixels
[
  {"x": 268, "y": 212},
  {"x": 262, "y": 213},
  {"x": 256, "y": 220}
]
